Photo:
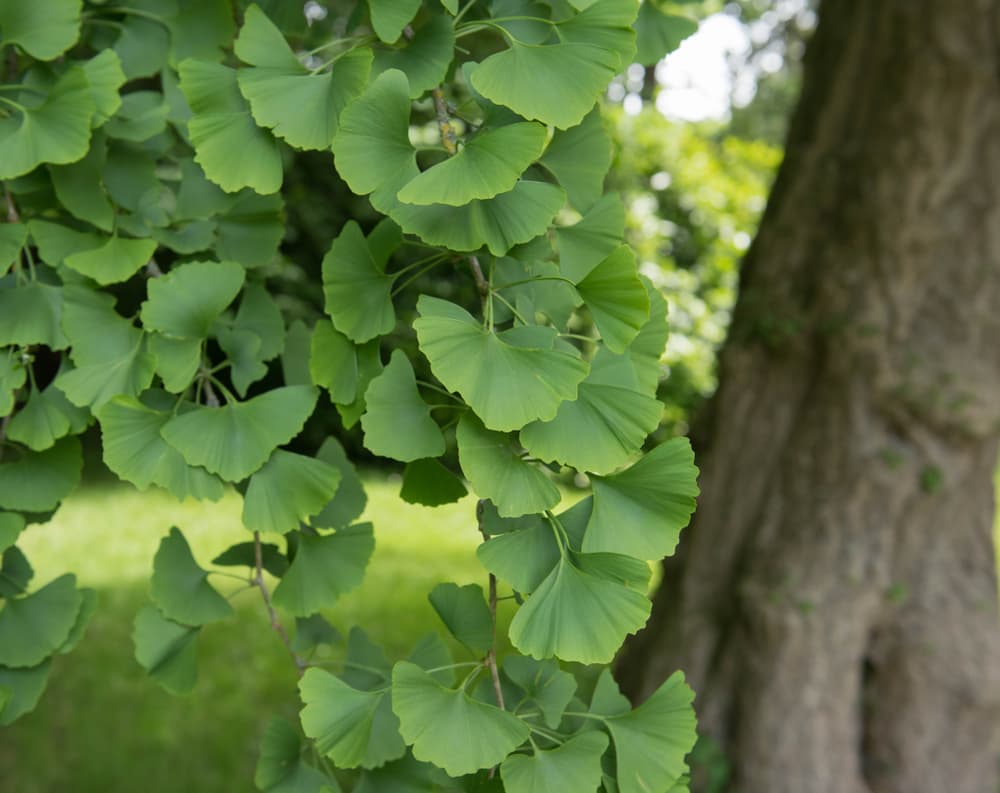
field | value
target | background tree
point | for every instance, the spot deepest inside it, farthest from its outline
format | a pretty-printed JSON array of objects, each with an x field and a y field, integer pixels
[{"x": 835, "y": 601}]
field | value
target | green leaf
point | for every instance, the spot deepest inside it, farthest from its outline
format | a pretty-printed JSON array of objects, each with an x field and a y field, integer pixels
[
  {"x": 369, "y": 366},
  {"x": 583, "y": 246},
  {"x": 115, "y": 261},
  {"x": 397, "y": 422},
  {"x": 351, "y": 727},
  {"x": 333, "y": 362},
  {"x": 358, "y": 293},
  {"x": 11, "y": 526},
  {"x": 57, "y": 130},
  {"x": 105, "y": 77},
  {"x": 487, "y": 165},
  {"x": 201, "y": 29},
  {"x": 447, "y": 727},
  {"x": 143, "y": 115},
  {"x": 287, "y": 491},
  {"x": 579, "y": 158},
  {"x": 389, "y": 17},
  {"x": 543, "y": 683},
  {"x": 349, "y": 501},
  {"x": 30, "y": 313},
  {"x": 55, "y": 242},
  {"x": 295, "y": 357},
  {"x": 36, "y": 625},
  {"x": 88, "y": 606},
  {"x": 142, "y": 46},
  {"x": 658, "y": 34},
  {"x": 522, "y": 558},
  {"x": 645, "y": 351},
  {"x": 235, "y": 440},
  {"x": 605, "y": 23},
  {"x": 324, "y": 568},
  {"x": 429, "y": 483},
  {"x": 242, "y": 348},
  {"x": 186, "y": 301},
  {"x": 80, "y": 189},
  {"x": 616, "y": 298},
  {"x": 280, "y": 767},
  {"x": 15, "y": 573},
  {"x": 180, "y": 588},
  {"x": 575, "y": 76},
  {"x": 12, "y": 376},
  {"x": 230, "y": 147},
  {"x": 652, "y": 740},
  {"x": 577, "y": 616},
  {"x": 497, "y": 472},
  {"x": 135, "y": 451},
  {"x": 498, "y": 223},
  {"x": 508, "y": 379},
  {"x": 45, "y": 418},
  {"x": 251, "y": 230},
  {"x": 259, "y": 314},
  {"x": 24, "y": 687},
  {"x": 13, "y": 237},
  {"x": 40, "y": 480},
  {"x": 244, "y": 554},
  {"x": 177, "y": 360},
  {"x": 166, "y": 650},
  {"x": 313, "y": 631},
  {"x": 44, "y": 30},
  {"x": 602, "y": 428},
  {"x": 372, "y": 148},
  {"x": 424, "y": 59},
  {"x": 279, "y": 86},
  {"x": 465, "y": 614},
  {"x": 641, "y": 511},
  {"x": 574, "y": 767}
]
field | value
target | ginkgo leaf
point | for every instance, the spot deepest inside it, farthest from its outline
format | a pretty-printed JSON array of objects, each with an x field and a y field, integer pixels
[
  {"x": 236, "y": 439},
  {"x": 579, "y": 158},
  {"x": 88, "y": 605},
  {"x": 424, "y": 59},
  {"x": 575, "y": 76},
  {"x": 349, "y": 501},
  {"x": 487, "y": 165},
  {"x": 105, "y": 78},
  {"x": 333, "y": 362},
  {"x": 324, "y": 568},
  {"x": 36, "y": 625},
  {"x": 659, "y": 33},
  {"x": 244, "y": 554},
  {"x": 43, "y": 30},
  {"x": 641, "y": 511},
  {"x": 369, "y": 366},
  {"x": 522, "y": 558},
  {"x": 573, "y": 767},
  {"x": 180, "y": 588},
  {"x": 40, "y": 480},
  {"x": 115, "y": 261},
  {"x": 429, "y": 483},
  {"x": 230, "y": 147},
  {"x": 397, "y": 422},
  {"x": 509, "y": 379},
  {"x": 287, "y": 491},
  {"x": 259, "y": 314},
  {"x": 447, "y": 727},
  {"x": 16, "y": 573},
  {"x": 56, "y": 130},
  {"x": 543, "y": 683},
  {"x": 80, "y": 189},
  {"x": 497, "y": 223},
  {"x": 358, "y": 293},
  {"x": 278, "y": 86},
  {"x": 177, "y": 360},
  {"x": 497, "y": 472},
  {"x": 24, "y": 687},
  {"x": 601, "y": 429},
  {"x": 186, "y": 301},
  {"x": 577, "y": 616},
  {"x": 45, "y": 418},
  {"x": 652, "y": 741},
  {"x": 609, "y": 24},
  {"x": 583, "y": 246},
  {"x": 11, "y": 526},
  {"x": 280, "y": 767},
  {"x": 30, "y": 314},
  {"x": 648, "y": 346},
  {"x": 372, "y": 149},
  {"x": 351, "y": 727},
  {"x": 13, "y": 236},
  {"x": 389, "y": 17},
  {"x": 142, "y": 115},
  {"x": 135, "y": 451},
  {"x": 465, "y": 614},
  {"x": 616, "y": 298},
  {"x": 166, "y": 650}
]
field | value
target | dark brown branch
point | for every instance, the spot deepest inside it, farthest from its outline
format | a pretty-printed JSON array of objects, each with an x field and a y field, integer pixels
[{"x": 276, "y": 625}]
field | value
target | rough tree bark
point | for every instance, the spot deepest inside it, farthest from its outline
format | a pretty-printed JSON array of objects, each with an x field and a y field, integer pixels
[{"x": 835, "y": 601}]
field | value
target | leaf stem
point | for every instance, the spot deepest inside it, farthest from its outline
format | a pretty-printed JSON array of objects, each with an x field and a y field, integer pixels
[
  {"x": 13, "y": 216},
  {"x": 513, "y": 310},
  {"x": 420, "y": 273},
  {"x": 491, "y": 654},
  {"x": 536, "y": 278},
  {"x": 276, "y": 625}
]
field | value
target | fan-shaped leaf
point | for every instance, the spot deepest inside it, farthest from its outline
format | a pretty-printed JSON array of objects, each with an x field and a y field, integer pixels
[
  {"x": 641, "y": 511},
  {"x": 389, "y": 17},
  {"x": 543, "y": 683},
  {"x": 180, "y": 587},
  {"x": 11, "y": 526},
  {"x": 429, "y": 483},
  {"x": 40, "y": 480},
  {"x": 583, "y": 246},
  {"x": 616, "y": 298},
  {"x": 186, "y": 301},
  {"x": 230, "y": 147},
  {"x": 658, "y": 34},
  {"x": 351, "y": 727},
  {"x": 577, "y": 616},
  {"x": 114, "y": 261},
  {"x": 324, "y": 568},
  {"x": 235, "y": 440},
  {"x": 397, "y": 422},
  {"x": 287, "y": 491},
  {"x": 12, "y": 376},
  {"x": 579, "y": 157},
  {"x": 80, "y": 189},
  {"x": 575, "y": 76},
  {"x": 333, "y": 362},
  {"x": 447, "y": 727},
  {"x": 424, "y": 59},
  {"x": 177, "y": 360},
  {"x": 508, "y": 379},
  {"x": 498, "y": 223},
  {"x": 13, "y": 236},
  {"x": 489, "y": 164},
  {"x": 464, "y": 612},
  {"x": 279, "y": 86},
  {"x": 280, "y": 767},
  {"x": 166, "y": 650},
  {"x": 605, "y": 23},
  {"x": 30, "y": 313},
  {"x": 45, "y": 418},
  {"x": 36, "y": 625},
  {"x": 24, "y": 688},
  {"x": 42, "y": 29},
  {"x": 105, "y": 77},
  {"x": 349, "y": 501},
  {"x": 574, "y": 767},
  {"x": 522, "y": 558}
]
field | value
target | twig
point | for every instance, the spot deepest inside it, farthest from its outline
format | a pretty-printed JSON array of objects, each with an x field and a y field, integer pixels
[
  {"x": 258, "y": 581},
  {"x": 12, "y": 214},
  {"x": 211, "y": 398},
  {"x": 477, "y": 272},
  {"x": 491, "y": 655},
  {"x": 449, "y": 138}
]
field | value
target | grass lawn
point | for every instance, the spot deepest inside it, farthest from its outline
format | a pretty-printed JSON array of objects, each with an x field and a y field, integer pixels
[{"x": 102, "y": 725}]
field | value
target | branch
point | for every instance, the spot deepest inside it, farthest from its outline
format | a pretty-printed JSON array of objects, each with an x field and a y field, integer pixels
[
  {"x": 276, "y": 625},
  {"x": 449, "y": 139},
  {"x": 491, "y": 655},
  {"x": 12, "y": 214}
]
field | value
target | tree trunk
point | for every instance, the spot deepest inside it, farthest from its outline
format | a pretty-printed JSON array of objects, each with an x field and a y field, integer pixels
[{"x": 834, "y": 603}]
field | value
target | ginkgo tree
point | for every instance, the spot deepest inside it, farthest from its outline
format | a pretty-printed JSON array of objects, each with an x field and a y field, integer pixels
[{"x": 143, "y": 146}]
